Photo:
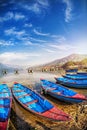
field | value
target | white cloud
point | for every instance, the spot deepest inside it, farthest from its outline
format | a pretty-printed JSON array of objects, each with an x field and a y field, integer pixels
[
  {"x": 17, "y": 58},
  {"x": 19, "y": 16},
  {"x": 68, "y": 14},
  {"x": 49, "y": 50},
  {"x": 59, "y": 38},
  {"x": 8, "y": 16},
  {"x": 37, "y": 40},
  {"x": 13, "y": 31},
  {"x": 27, "y": 42},
  {"x": 40, "y": 33},
  {"x": 62, "y": 47},
  {"x": 28, "y": 25},
  {"x": 81, "y": 45},
  {"x": 38, "y": 7},
  {"x": 6, "y": 43},
  {"x": 34, "y": 8},
  {"x": 11, "y": 15},
  {"x": 24, "y": 37},
  {"x": 43, "y": 3}
]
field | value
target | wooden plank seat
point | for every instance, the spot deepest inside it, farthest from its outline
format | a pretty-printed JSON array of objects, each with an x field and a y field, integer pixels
[
  {"x": 18, "y": 91},
  {"x": 6, "y": 106},
  {"x": 5, "y": 97},
  {"x": 60, "y": 92},
  {"x": 23, "y": 95},
  {"x": 31, "y": 102},
  {"x": 3, "y": 92},
  {"x": 51, "y": 89}
]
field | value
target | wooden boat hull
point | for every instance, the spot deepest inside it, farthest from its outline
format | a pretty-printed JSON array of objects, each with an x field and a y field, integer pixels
[
  {"x": 73, "y": 84},
  {"x": 82, "y": 73},
  {"x": 65, "y": 99},
  {"x": 3, "y": 125},
  {"x": 5, "y": 106},
  {"x": 75, "y": 76},
  {"x": 56, "y": 90},
  {"x": 36, "y": 107}
]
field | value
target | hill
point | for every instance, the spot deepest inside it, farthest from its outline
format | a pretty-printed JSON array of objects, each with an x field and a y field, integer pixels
[
  {"x": 8, "y": 68},
  {"x": 60, "y": 62},
  {"x": 72, "y": 57}
]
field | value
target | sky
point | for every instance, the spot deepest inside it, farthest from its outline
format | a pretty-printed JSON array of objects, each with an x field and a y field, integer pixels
[{"x": 34, "y": 32}]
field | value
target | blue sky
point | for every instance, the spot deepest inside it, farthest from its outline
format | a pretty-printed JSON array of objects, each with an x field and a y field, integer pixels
[{"x": 34, "y": 32}]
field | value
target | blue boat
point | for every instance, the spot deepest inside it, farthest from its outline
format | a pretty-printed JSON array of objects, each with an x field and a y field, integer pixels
[
  {"x": 75, "y": 76},
  {"x": 72, "y": 71},
  {"x": 73, "y": 83},
  {"x": 60, "y": 92},
  {"x": 82, "y": 73},
  {"x": 5, "y": 106},
  {"x": 37, "y": 104}
]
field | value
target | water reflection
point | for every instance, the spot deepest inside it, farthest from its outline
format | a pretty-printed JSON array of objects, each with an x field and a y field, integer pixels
[
  {"x": 32, "y": 79},
  {"x": 26, "y": 78}
]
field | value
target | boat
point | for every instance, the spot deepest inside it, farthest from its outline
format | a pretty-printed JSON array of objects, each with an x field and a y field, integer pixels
[
  {"x": 60, "y": 92},
  {"x": 35, "y": 103},
  {"x": 75, "y": 76},
  {"x": 82, "y": 73},
  {"x": 72, "y": 71},
  {"x": 5, "y": 106},
  {"x": 72, "y": 83}
]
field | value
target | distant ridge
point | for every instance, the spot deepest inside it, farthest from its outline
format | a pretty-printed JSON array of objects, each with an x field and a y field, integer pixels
[
  {"x": 72, "y": 57},
  {"x": 59, "y": 62},
  {"x": 5, "y": 67},
  {"x": 8, "y": 68}
]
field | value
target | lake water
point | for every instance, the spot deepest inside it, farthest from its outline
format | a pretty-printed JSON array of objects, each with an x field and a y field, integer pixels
[
  {"x": 32, "y": 79},
  {"x": 26, "y": 78}
]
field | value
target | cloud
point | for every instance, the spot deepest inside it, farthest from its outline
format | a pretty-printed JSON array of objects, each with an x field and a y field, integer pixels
[
  {"x": 43, "y": 3},
  {"x": 34, "y": 8},
  {"x": 27, "y": 42},
  {"x": 6, "y": 43},
  {"x": 28, "y": 25},
  {"x": 38, "y": 6},
  {"x": 58, "y": 38},
  {"x": 49, "y": 50},
  {"x": 13, "y": 31},
  {"x": 37, "y": 40},
  {"x": 40, "y": 33},
  {"x": 62, "y": 47},
  {"x": 11, "y": 15},
  {"x": 23, "y": 37},
  {"x": 17, "y": 58},
  {"x": 8, "y": 16},
  {"x": 68, "y": 11},
  {"x": 19, "y": 16}
]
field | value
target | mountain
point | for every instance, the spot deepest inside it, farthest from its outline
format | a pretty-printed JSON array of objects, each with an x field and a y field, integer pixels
[
  {"x": 2, "y": 66},
  {"x": 5, "y": 67},
  {"x": 72, "y": 57},
  {"x": 9, "y": 68}
]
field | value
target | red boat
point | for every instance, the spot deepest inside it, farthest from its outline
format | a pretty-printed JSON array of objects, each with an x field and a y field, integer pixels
[{"x": 37, "y": 104}]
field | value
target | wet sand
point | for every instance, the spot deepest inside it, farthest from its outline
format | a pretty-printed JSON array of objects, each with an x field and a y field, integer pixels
[{"x": 21, "y": 119}]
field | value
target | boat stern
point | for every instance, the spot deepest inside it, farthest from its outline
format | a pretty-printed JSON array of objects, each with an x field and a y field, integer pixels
[{"x": 56, "y": 114}]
